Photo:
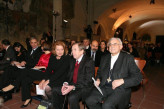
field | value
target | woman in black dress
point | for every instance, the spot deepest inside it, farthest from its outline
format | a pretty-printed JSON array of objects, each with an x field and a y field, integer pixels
[{"x": 56, "y": 71}]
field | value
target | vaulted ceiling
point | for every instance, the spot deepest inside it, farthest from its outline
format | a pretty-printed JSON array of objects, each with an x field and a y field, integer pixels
[{"x": 131, "y": 15}]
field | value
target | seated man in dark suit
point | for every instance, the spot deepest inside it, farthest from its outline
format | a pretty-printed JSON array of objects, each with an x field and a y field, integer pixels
[
  {"x": 33, "y": 55},
  {"x": 94, "y": 53},
  {"x": 79, "y": 82},
  {"x": 2, "y": 51},
  {"x": 116, "y": 75},
  {"x": 9, "y": 54}
]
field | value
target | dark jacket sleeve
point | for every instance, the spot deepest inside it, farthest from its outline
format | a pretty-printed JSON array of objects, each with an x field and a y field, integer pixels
[
  {"x": 60, "y": 74},
  {"x": 100, "y": 68},
  {"x": 134, "y": 74},
  {"x": 49, "y": 68},
  {"x": 9, "y": 56}
]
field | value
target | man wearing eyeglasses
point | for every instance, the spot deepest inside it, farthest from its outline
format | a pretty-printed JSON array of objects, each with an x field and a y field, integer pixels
[{"x": 115, "y": 77}]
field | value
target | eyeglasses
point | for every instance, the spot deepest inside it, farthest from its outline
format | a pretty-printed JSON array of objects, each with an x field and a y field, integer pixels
[{"x": 115, "y": 44}]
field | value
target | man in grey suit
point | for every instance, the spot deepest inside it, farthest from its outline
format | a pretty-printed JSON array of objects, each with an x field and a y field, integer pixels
[
  {"x": 116, "y": 75},
  {"x": 9, "y": 54}
]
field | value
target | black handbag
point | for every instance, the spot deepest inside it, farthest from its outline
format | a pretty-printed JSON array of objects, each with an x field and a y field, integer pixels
[{"x": 45, "y": 104}]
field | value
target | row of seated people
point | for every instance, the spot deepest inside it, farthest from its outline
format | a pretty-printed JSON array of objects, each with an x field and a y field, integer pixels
[
  {"x": 72, "y": 75},
  {"x": 149, "y": 52},
  {"x": 28, "y": 59}
]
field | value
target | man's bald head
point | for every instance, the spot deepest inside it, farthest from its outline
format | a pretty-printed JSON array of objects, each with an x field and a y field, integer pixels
[{"x": 94, "y": 45}]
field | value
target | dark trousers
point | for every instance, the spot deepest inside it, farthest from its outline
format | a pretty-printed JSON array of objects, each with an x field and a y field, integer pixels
[
  {"x": 9, "y": 76},
  {"x": 28, "y": 76},
  {"x": 111, "y": 99},
  {"x": 58, "y": 100},
  {"x": 74, "y": 97},
  {"x": 4, "y": 66}
]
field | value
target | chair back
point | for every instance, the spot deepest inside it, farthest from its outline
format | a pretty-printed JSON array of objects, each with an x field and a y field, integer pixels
[
  {"x": 149, "y": 54},
  {"x": 137, "y": 58},
  {"x": 140, "y": 64},
  {"x": 96, "y": 68},
  {"x": 158, "y": 56}
]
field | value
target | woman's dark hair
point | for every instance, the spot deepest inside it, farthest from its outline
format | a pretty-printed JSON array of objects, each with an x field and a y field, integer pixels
[
  {"x": 46, "y": 46},
  {"x": 5, "y": 42},
  {"x": 104, "y": 42},
  {"x": 17, "y": 44}
]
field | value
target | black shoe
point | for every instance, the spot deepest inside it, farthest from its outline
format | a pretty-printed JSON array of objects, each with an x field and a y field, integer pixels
[
  {"x": 2, "y": 92},
  {"x": 23, "y": 106},
  {"x": 7, "y": 96}
]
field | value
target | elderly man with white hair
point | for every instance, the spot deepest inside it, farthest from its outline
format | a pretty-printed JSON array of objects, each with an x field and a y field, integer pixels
[{"x": 116, "y": 75}]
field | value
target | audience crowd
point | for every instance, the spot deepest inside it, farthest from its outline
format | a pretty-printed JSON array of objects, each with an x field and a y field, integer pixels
[{"x": 67, "y": 68}]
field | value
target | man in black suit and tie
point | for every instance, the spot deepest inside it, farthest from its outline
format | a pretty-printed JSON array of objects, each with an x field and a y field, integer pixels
[
  {"x": 79, "y": 82},
  {"x": 9, "y": 54},
  {"x": 116, "y": 75},
  {"x": 94, "y": 53},
  {"x": 33, "y": 55}
]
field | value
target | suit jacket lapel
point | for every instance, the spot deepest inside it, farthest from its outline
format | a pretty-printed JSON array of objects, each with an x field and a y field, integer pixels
[
  {"x": 90, "y": 53},
  {"x": 36, "y": 50},
  {"x": 72, "y": 68},
  {"x": 107, "y": 65},
  {"x": 29, "y": 52},
  {"x": 81, "y": 66},
  {"x": 117, "y": 65}
]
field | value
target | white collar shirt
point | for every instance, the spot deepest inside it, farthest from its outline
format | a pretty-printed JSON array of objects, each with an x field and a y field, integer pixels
[
  {"x": 79, "y": 60},
  {"x": 113, "y": 60}
]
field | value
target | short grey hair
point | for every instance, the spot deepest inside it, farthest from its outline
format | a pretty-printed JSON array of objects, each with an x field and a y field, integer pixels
[
  {"x": 80, "y": 45},
  {"x": 113, "y": 39}
]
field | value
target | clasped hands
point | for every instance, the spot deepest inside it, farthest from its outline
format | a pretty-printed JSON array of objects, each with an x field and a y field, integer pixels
[
  {"x": 66, "y": 88},
  {"x": 18, "y": 64},
  {"x": 116, "y": 83}
]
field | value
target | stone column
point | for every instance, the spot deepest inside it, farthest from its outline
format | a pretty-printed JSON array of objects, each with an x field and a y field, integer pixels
[
  {"x": 57, "y": 6},
  {"x": 90, "y": 12}
]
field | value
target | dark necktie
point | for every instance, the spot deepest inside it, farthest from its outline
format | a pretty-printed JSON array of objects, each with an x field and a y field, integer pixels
[
  {"x": 93, "y": 56},
  {"x": 75, "y": 72}
]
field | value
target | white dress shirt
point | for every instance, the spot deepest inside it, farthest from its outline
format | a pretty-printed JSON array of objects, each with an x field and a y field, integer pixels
[
  {"x": 79, "y": 60},
  {"x": 113, "y": 60}
]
